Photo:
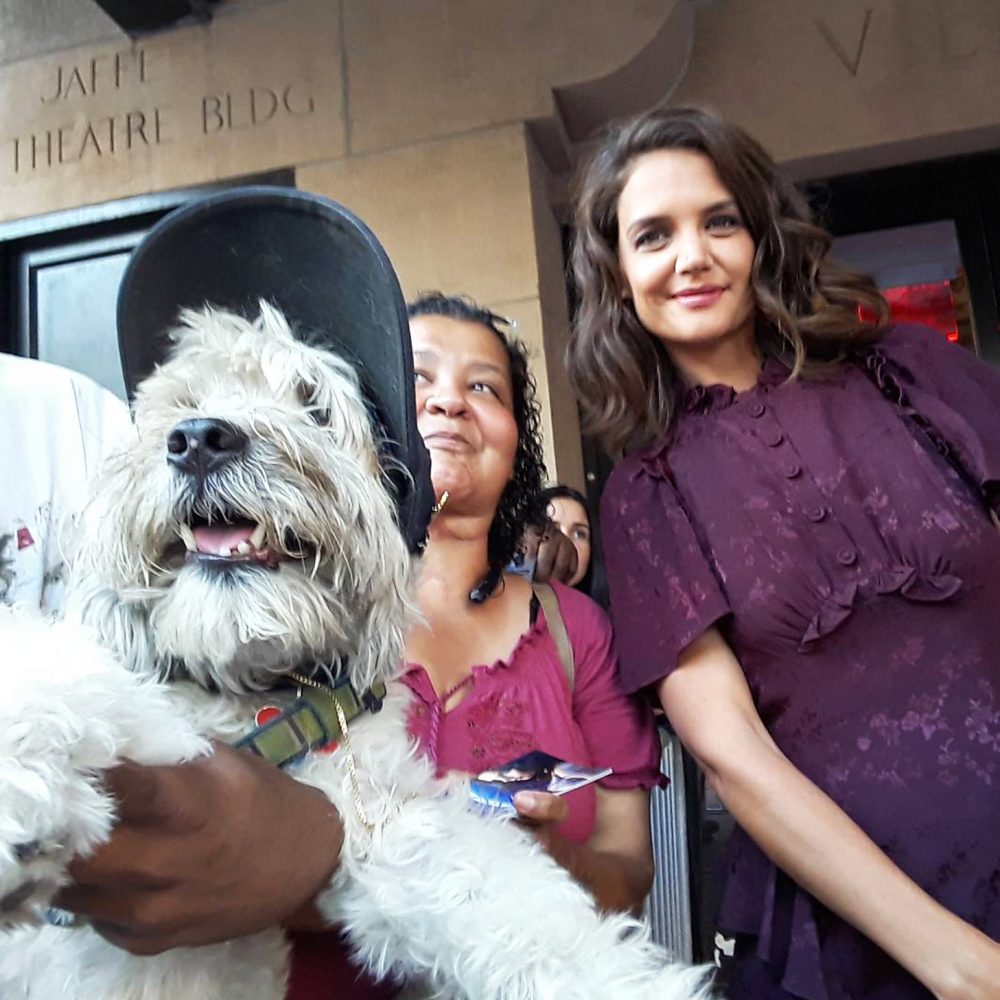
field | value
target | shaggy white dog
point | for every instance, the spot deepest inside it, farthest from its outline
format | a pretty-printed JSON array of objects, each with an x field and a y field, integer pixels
[{"x": 281, "y": 551}]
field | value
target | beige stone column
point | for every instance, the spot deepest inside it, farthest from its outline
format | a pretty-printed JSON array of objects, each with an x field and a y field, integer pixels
[{"x": 471, "y": 215}]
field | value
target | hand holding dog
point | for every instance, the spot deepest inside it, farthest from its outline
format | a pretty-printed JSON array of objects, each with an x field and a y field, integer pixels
[{"x": 208, "y": 851}]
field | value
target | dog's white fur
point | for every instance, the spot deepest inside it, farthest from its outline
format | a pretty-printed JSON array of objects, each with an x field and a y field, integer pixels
[{"x": 468, "y": 905}]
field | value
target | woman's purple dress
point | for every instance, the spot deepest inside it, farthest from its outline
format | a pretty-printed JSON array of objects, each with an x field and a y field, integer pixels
[{"x": 856, "y": 574}]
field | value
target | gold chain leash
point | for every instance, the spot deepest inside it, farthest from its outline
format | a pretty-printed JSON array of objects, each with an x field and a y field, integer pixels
[{"x": 352, "y": 770}]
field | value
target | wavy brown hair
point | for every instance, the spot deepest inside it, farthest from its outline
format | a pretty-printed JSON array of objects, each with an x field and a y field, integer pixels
[{"x": 807, "y": 309}]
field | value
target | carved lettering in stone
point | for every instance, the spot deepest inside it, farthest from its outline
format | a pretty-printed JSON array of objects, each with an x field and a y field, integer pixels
[
  {"x": 95, "y": 139},
  {"x": 98, "y": 74},
  {"x": 850, "y": 63},
  {"x": 178, "y": 108},
  {"x": 240, "y": 110}
]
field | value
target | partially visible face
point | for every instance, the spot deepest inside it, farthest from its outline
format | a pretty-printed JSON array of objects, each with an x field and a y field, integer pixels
[
  {"x": 685, "y": 254},
  {"x": 571, "y": 519},
  {"x": 465, "y": 410}
]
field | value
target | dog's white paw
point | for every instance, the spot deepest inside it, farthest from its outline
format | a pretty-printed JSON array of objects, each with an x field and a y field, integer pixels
[
  {"x": 49, "y": 811},
  {"x": 68, "y": 712},
  {"x": 29, "y": 877}
]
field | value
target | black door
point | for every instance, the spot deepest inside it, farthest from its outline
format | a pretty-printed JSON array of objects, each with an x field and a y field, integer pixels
[
  {"x": 61, "y": 276},
  {"x": 66, "y": 308}
]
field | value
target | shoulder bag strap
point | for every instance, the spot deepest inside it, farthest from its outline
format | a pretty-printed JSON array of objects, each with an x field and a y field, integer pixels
[{"x": 557, "y": 628}]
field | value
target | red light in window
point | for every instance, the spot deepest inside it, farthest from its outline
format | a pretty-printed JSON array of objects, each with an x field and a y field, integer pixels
[{"x": 930, "y": 304}]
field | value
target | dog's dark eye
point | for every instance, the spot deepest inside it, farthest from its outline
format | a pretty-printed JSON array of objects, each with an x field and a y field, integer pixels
[{"x": 307, "y": 396}]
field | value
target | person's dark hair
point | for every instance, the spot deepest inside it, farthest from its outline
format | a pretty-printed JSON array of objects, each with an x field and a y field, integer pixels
[
  {"x": 568, "y": 493},
  {"x": 808, "y": 309},
  {"x": 519, "y": 503},
  {"x": 594, "y": 582}
]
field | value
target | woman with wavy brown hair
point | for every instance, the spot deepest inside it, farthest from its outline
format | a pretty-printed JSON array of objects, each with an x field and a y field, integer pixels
[{"x": 802, "y": 562}]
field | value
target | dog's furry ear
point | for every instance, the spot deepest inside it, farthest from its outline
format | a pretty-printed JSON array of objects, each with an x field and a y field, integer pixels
[
  {"x": 381, "y": 585},
  {"x": 120, "y": 626},
  {"x": 105, "y": 557},
  {"x": 379, "y": 652}
]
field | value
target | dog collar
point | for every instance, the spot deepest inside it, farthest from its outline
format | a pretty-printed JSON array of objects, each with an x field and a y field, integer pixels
[{"x": 311, "y": 722}]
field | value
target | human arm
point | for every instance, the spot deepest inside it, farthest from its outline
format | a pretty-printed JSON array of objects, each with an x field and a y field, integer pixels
[
  {"x": 616, "y": 863},
  {"x": 807, "y": 835},
  {"x": 224, "y": 846}
]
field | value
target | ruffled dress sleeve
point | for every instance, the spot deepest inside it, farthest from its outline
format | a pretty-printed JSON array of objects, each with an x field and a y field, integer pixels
[
  {"x": 953, "y": 395},
  {"x": 664, "y": 591}
]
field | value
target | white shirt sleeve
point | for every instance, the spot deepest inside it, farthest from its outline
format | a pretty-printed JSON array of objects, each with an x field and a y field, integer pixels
[{"x": 59, "y": 425}]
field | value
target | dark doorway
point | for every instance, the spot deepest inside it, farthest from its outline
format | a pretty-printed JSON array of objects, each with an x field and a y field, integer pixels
[
  {"x": 930, "y": 235},
  {"x": 61, "y": 274},
  {"x": 65, "y": 312}
]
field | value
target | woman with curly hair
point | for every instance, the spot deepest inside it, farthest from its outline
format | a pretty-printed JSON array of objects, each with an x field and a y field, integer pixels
[
  {"x": 484, "y": 665},
  {"x": 802, "y": 562},
  {"x": 488, "y": 679}
]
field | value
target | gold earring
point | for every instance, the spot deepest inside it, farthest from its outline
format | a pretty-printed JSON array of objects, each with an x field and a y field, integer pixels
[{"x": 439, "y": 506}]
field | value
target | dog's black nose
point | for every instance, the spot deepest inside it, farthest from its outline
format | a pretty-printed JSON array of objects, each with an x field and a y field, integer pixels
[{"x": 198, "y": 447}]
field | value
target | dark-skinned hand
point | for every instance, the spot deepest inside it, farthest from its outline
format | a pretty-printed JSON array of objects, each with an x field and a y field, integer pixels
[
  {"x": 555, "y": 554},
  {"x": 541, "y": 812},
  {"x": 219, "y": 848}
]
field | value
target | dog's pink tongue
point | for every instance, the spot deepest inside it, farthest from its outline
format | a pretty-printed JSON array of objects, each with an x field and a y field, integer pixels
[{"x": 221, "y": 539}]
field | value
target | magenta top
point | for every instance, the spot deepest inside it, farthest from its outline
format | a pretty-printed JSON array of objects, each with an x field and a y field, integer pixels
[
  {"x": 836, "y": 531},
  {"x": 524, "y": 703},
  {"x": 514, "y": 705}
]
